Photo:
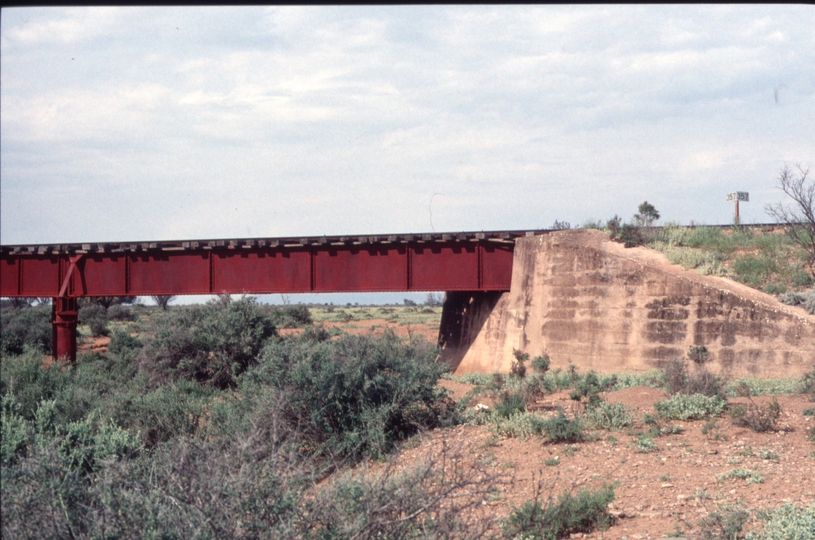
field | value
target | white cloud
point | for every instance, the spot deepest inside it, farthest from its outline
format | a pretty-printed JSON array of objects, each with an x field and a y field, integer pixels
[{"x": 321, "y": 120}]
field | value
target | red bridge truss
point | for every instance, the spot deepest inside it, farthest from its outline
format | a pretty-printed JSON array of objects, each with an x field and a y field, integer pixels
[{"x": 463, "y": 261}]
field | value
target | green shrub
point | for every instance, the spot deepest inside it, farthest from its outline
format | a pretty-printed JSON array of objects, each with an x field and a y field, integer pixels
[
  {"x": 757, "y": 417},
  {"x": 787, "y": 522},
  {"x": 211, "y": 343},
  {"x": 15, "y": 430},
  {"x": 162, "y": 414},
  {"x": 518, "y": 366},
  {"x": 519, "y": 425},
  {"x": 610, "y": 416},
  {"x": 357, "y": 395},
  {"x": 118, "y": 312},
  {"x": 583, "y": 513},
  {"x": 679, "y": 380},
  {"x": 510, "y": 403},
  {"x": 122, "y": 343},
  {"x": 96, "y": 317},
  {"x": 724, "y": 525},
  {"x": 560, "y": 428},
  {"x": 690, "y": 407},
  {"x": 645, "y": 444},
  {"x": 291, "y": 315},
  {"x": 25, "y": 327},
  {"x": 807, "y": 385},
  {"x": 541, "y": 364},
  {"x": 754, "y": 270},
  {"x": 742, "y": 473},
  {"x": 29, "y": 381}
]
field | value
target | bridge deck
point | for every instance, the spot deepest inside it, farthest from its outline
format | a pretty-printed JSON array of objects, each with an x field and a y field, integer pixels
[{"x": 387, "y": 262}]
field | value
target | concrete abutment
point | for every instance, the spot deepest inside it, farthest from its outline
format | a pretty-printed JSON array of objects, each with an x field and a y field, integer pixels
[{"x": 590, "y": 302}]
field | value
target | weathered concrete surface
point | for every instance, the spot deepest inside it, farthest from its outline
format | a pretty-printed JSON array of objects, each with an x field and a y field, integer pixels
[{"x": 593, "y": 303}]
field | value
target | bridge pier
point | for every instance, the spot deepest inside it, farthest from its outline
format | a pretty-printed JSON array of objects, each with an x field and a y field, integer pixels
[{"x": 63, "y": 327}]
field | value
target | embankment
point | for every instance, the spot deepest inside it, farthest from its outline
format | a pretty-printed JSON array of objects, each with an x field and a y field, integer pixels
[{"x": 588, "y": 301}]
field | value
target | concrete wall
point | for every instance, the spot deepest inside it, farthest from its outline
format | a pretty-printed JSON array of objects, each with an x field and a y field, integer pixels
[{"x": 591, "y": 302}]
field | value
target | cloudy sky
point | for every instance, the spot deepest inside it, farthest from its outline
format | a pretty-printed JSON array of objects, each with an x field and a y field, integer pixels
[{"x": 149, "y": 123}]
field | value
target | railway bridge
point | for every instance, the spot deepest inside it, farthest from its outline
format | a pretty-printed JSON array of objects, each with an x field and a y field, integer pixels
[{"x": 456, "y": 261}]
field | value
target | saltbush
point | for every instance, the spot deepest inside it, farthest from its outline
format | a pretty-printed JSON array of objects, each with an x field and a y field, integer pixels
[
  {"x": 690, "y": 407},
  {"x": 807, "y": 384},
  {"x": 96, "y": 317},
  {"x": 211, "y": 343},
  {"x": 25, "y": 327},
  {"x": 680, "y": 380},
  {"x": 357, "y": 395},
  {"x": 560, "y": 428},
  {"x": 581, "y": 513},
  {"x": 787, "y": 522},
  {"x": 755, "y": 416},
  {"x": 612, "y": 416},
  {"x": 118, "y": 312}
]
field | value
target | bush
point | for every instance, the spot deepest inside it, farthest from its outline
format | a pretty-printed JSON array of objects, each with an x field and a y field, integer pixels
[
  {"x": 29, "y": 381},
  {"x": 679, "y": 380},
  {"x": 610, "y": 416},
  {"x": 690, "y": 407},
  {"x": 25, "y": 327},
  {"x": 541, "y": 364},
  {"x": 560, "y": 428},
  {"x": 698, "y": 353},
  {"x": 122, "y": 342},
  {"x": 804, "y": 299},
  {"x": 96, "y": 317},
  {"x": 118, "y": 312},
  {"x": 519, "y": 425},
  {"x": 787, "y": 522},
  {"x": 807, "y": 385},
  {"x": 425, "y": 501},
  {"x": 291, "y": 316},
  {"x": 510, "y": 403},
  {"x": 358, "y": 395},
  {"x": 757, "y": 417},
  {"x": 210, "y": 344},
  {"x": 518, "y": 367},
  {"x": 724, "y": 525},
  {"x": 583, "y": 513}
]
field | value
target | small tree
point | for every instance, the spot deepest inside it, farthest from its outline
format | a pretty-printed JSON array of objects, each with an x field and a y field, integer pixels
[
  {"x": 800, "y": 216},
  {"x": 434, "y": 299},
  {"x": 163, "y": 300},
  {"x": 647, "y": 214}
]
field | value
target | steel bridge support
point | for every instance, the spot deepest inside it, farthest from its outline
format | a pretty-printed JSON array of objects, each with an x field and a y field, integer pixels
[{"x": 63, "y": 325}]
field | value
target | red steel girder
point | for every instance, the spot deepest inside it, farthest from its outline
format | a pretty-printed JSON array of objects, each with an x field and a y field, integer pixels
[{"x": 438, "y": 261}]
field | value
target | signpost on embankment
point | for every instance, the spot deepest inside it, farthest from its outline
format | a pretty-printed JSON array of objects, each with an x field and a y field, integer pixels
[{"x": 737, "y": 196}]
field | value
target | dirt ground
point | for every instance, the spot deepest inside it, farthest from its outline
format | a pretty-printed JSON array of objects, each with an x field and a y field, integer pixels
[{"x": 664, "y": 491}]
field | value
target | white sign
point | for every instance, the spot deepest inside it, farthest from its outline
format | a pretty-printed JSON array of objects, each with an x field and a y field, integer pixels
[{"x": 738, "y": 196}]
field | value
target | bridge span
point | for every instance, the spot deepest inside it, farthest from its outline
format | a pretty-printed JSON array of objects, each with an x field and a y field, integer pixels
[{"x": 454, "y": 261}]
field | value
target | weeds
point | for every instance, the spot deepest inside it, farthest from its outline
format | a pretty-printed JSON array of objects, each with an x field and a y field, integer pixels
[
  {"x": 545, "y": 520},
  {"x": 727, "y": 524},
  {"x": 679, "y": 380},
  {"x": 612, "y": 416},
  {"x": 690, "y": 407},
  {"x": 757, "y": 417},
  {"x": 741, "y": 473}
]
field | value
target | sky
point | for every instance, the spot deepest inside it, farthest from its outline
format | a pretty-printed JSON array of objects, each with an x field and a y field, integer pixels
[{"x": 168, "y": 123}]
